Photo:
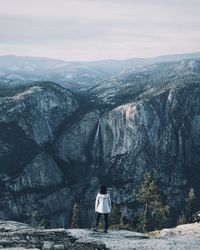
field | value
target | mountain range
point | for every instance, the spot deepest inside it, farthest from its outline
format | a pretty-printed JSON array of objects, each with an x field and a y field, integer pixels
[{"x": 66, "y": 127}]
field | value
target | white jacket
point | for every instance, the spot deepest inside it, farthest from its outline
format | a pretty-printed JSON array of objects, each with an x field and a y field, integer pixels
[{"x": 103, "y": 203}]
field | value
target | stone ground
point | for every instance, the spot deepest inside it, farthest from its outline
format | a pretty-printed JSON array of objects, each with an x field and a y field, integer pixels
[
  {"x": 18, "y": 236},
  {"x": 184, "y": 237}
]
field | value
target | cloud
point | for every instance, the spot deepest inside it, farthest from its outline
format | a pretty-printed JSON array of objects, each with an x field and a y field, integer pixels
[{"x": 95, "y": 29}]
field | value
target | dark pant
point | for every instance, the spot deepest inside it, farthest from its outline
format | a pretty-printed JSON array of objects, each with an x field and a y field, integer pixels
[{"x": 105, "y": 219}]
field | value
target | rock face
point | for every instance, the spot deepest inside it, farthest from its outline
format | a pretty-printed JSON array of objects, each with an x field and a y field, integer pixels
[
  {"x": 159, "y": 134},
  {"x": 16, "y": 235},
  {"x": 56, "y": 147},
  {"x": 37, "y": 110},
  {"x": 30, "y": 118},
  {"x": 41, "y": 172},
  {"x": 72, "y": 143}
]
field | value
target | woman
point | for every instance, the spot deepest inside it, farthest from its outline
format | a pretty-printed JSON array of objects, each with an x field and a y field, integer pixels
[{"x": 102, "y": 206}]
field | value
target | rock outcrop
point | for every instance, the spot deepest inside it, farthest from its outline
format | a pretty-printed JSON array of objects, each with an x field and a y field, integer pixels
[
  {"x": 15, "y": 235},
  {"x": 38, "y": 110},
  {"x": 183, "y": 237},
  {"x": 21, "y": 236}
]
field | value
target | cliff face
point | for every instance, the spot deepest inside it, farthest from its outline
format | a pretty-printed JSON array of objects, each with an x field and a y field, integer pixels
[
  {"x": 31, "y": 179},
  {"x": 159, "y": 134},
  {"x": 74, "y": 143},
  {"x": 56, "y": 148},
  {"x": 38, "y": 110}
]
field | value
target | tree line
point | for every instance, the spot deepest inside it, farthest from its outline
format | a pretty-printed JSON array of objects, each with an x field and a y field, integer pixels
[
  {"x": 153, "y": 210},
  {"x": 153, "y": 213}
]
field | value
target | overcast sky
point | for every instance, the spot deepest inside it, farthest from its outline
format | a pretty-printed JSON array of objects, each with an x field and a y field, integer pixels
[{"x": 99, "y": 29}]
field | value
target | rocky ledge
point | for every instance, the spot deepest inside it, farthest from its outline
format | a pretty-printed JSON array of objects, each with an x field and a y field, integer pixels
[
  {"x": 19, "y": 236},
  {"x": 183, "y": 237},
  {"x": 14, "y": 235}
]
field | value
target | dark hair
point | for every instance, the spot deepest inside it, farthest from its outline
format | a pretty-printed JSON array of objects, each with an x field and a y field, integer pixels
[{"x": 103, "y": 189}]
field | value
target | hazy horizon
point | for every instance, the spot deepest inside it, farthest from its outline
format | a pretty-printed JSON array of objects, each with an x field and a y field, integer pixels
[
  {"x": 106, "y": 59},
  {"x": 91, "y": 30}
]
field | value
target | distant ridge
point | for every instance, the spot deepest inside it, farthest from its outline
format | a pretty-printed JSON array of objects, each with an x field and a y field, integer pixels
[{"x": 177, "y": 56}]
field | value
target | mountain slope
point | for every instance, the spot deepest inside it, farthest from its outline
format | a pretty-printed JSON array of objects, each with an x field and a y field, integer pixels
[
  {"x": 56, "y": 147},
  {"x": 37, "y": 109},
  {"x": 30, "y": 178},
  {"x": 159, "y": 134},
  {"x": 143, "y": 81},
  {"x": 77, "y": 76}
]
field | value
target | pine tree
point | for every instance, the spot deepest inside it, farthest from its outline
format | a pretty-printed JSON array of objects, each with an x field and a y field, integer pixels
[
  {"x": 45, "y": 223},
  {"x": 182, "y": 219},
  {"x": 115, "y": 216},
  {"x": 190, "y": 205},
  {"x": 74, "y": 223},
  {"x": 154, "y": 214},
  {"x": 35, "y": 219}
]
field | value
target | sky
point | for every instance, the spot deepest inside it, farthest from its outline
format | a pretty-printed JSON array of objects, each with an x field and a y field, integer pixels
[{"x": 99, "y": 29}]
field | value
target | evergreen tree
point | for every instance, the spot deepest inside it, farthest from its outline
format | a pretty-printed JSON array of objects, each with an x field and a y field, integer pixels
[
  {"x": 74, "y": 223},
  {"x": 182, "y": 219},
  {"x": 45, "y": 223},
  {"x": 35, "y": 219},
  {"x": 154, "y": 215},
  {"x": 39, "y": 221},
  {"x": 190, "y": 205},
  {"x": 115, "y": 216}
]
